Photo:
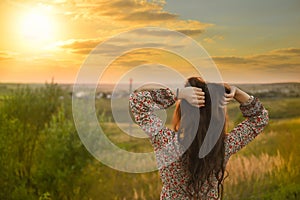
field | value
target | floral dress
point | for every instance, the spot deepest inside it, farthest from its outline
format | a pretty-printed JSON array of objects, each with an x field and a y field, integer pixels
[{"x": 171, "y": 165}]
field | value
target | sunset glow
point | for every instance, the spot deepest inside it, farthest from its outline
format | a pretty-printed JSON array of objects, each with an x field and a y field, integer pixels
[
  {"x": 251, "y": 42},
  {"x": 36, "y": 26}
]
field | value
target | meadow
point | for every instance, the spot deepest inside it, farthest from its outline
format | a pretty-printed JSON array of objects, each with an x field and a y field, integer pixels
[{"x": 42, "y": 157}]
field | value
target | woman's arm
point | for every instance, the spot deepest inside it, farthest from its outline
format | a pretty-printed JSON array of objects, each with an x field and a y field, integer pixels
[
  {"x": 144, "y": 103},
  {"x": 256, "y": 119},
  {"x": 237, "y": 94}
]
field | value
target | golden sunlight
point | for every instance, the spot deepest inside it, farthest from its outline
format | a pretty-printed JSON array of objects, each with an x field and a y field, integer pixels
[{"x": 37, "y": 26}]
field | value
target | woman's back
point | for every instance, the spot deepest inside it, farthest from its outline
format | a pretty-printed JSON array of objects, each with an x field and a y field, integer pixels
[{"x": 172, "y": 159}]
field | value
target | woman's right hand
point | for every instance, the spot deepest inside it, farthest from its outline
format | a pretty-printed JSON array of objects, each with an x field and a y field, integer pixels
[
  {"x": 237, "y": 94},
  {"x": 229, "y": 97},
  {"x": 193, "y": 95}
]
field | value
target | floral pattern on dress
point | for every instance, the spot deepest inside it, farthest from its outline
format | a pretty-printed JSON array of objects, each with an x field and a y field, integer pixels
[{"x": 171, "y": 163}]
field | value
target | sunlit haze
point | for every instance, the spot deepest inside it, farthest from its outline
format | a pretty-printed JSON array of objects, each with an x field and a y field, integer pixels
[{"x": 250, "y": 41}]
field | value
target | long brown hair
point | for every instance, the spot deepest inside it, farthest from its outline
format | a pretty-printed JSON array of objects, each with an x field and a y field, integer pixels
[{"x": 201, "y": 169}]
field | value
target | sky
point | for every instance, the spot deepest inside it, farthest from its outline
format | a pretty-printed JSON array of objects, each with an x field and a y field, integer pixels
[{"x": 253, "y": 41}]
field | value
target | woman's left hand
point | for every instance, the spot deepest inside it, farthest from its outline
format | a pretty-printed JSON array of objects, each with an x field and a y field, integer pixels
[{"x": 195, "y": 96}]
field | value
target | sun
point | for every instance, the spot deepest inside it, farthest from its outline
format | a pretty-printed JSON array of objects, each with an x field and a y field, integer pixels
[{"x": 37, "y": 26}]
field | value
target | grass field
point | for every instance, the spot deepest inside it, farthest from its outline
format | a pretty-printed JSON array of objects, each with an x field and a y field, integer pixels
[
  {"x": 268, "y": 168},
  {"x": 42, "y": 156}
]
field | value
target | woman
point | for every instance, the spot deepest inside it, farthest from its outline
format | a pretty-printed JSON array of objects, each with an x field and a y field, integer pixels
[{"x": 184, "y": 173}]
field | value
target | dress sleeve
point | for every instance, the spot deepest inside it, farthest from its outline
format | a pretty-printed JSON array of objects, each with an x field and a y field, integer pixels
[
  {"x": 144, "y": 103},
  {"x": 256, "y": 119}
]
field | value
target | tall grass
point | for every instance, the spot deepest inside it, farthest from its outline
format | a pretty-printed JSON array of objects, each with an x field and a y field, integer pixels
[
  {"x": 61, "y": 168},
  {"x": 268, "y": 168}
]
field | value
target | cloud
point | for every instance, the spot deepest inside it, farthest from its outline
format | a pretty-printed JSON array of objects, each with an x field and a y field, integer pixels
[
  {"x": 287, "y": 55},
  {"x": 129, "y": 10},
  {"x": 115, "y": 46},
  {"x": 278, "y": 55},
  {"x": 79, "y": 43},
  {"x": 121, "y": 4},
  {"x": 7, "y": 55},
  {"x": 79, "y": 46},
  {"x": 130, "y": 63},
  {"x": 145, "y": 52},
  {"x": 280, "y": 61},
  {"x": 4, "y": 57},
  {"x": 155, "y": 32},
  {"x": 284, "y": 67},
  {"x": 138, "y": 57},
  {"x": 81, "y": 51},
  {"x": 234, "y": 60},
  {"x": 112, "y": 17},
  {"x": 146, "y": 16},
  {"x": 213, "y": 39},
  {"x": 134, "y": 11},
  {"x": 291, "y": 51},
  {"x": 124, "y": 15},
  {"x": 208, "y": 40},
  {"x": 191, "y": 32},
  {"x": 163, "y": 33},
  {"x": 121, "y": 15},
  {"x": 109, "y": 49}
]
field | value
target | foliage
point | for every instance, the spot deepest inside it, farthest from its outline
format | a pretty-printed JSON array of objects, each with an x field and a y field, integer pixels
[
  {"x": 40, "y": 151},
  {"x": 42, "y": 157}
]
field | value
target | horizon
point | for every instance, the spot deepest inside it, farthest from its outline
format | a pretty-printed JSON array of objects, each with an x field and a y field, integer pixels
[{"x": 107, "y": 83}]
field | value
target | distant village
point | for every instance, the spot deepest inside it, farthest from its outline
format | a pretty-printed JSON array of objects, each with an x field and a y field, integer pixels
[
  {"x": 102, "y": 95},
  {"x": 276, "y": 90},
  {"x": 273, "y": 90}
]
